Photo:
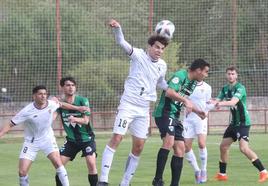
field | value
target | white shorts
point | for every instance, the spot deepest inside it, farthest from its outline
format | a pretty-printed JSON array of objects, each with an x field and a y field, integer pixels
[
  {"x": 132, "y": 117},
  {"x": 192, "y": 128},
  {"x": 30, "y": 149}
]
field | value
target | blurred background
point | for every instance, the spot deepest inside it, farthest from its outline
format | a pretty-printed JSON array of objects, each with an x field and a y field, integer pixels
[{"x": 44, "y": 40}]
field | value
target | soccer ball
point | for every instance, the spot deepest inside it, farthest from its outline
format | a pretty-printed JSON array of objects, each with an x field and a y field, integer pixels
[{"x": 165, "y": 28}]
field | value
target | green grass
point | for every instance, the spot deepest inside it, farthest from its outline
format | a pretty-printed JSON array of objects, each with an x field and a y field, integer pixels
[{"x": 240, "y": 170}]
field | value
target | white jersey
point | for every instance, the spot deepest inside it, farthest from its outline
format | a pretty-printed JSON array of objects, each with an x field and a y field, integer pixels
[
  {"x": 144, "y": 75},
  {"x": 37, "y": 121},
  {"x": 200, "y": 96}
]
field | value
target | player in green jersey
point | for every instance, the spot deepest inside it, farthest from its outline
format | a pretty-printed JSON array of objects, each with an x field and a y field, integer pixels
[
  {"x": 167, "y": 115},
  {"x": 234, "y": 95},
  {"x": 80, "y": 136}
]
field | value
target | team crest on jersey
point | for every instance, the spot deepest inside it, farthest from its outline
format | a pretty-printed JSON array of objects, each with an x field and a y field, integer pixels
[
  {"x": 49, "y": 111},
  {"x": 171, "y": 128},
  {"x": 88, "y": 149},
  {"x": 175, "y": 80}
]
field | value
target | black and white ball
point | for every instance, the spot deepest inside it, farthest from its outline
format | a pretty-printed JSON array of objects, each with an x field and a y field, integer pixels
[{"x": 165, "y": 28}]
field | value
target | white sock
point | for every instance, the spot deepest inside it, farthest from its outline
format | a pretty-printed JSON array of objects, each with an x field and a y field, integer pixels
[
  {"x": 203, "y": 154},
  {"x": 62, "y": 174},
  {"x": 24, "y": 181},
  {"x": 190, "y": 157},
  {"x": 131, "y": 166},
  {"x": 106, "y": 163}
]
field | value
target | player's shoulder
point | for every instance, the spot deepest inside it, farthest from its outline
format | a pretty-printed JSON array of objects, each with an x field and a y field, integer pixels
[
  {"x": 81, "y": 100},
  {"x": 182, "y": 73}
]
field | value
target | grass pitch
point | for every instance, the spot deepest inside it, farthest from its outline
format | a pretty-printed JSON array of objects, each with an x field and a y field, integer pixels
[{"x": 240, "y": 170}]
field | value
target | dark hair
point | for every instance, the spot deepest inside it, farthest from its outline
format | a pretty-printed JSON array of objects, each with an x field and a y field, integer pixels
[
  {"x": 39, "y": 87},
  {"x": 68, "y": 78},
  {"x": 232, "y": 68},
  {"x": 156, "y": 37},
  {"x": 199, "y": 63}
]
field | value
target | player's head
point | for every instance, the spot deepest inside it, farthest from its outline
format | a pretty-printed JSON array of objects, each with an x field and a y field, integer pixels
[
  {"x": 68, "y": 85},
  {"x": 40, "y": 94},
  {"x": 199, "y": 69},
  {"x": 156, "y": 46},
  {"x": 231, "y": 74}
]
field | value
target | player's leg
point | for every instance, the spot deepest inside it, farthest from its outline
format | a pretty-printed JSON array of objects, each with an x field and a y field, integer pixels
[
  {"x": 24, "y": 167},
  {"x": 167, "y": 133},
  {"x": 61, "y": 172},
  {"x": 176, "y": 163},
  {"x": 139, "y": 131},
  {"x": 27, "y": 156},
  {"x": 224, "y": 153},
  {"x": 250, "y": 154},
  {"x": 189, "y": 134},
  {"x": 67, "y": 153},
  {"x": 203, "y": 154},
  {"x": 89, "y": 152},
  {"x": 51, "y": 150},
  {"x": 122, "y": 121}
]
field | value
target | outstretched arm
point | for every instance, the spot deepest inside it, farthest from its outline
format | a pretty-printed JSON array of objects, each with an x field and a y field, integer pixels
[
  {"x": 119, "y": 36},
  {"x": 6, "y": 128}
]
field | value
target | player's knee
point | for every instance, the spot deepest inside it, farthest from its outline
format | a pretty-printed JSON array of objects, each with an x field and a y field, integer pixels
[
  {"x": 201, "y": 145},
  {"x": 115, "y": 141},
  {"x": 223, "y": 147},
  {"x": 243, "y": 149},
  {"x": 137, "y": 149},
  {"x": 22, "y": 172}
]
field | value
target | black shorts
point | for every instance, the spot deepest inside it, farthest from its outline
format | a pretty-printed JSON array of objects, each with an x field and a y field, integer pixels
[
  {"x": 171, "y": 126},
  {"x": 237, "y": 133},
  {"x": 70, "y": 149}
]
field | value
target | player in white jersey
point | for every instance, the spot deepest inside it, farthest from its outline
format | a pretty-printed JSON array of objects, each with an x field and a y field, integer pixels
[
  {"x": 146, "y": 72},
  {"x": 38, "y": 133},
  {"x": 194, "y": 127}
]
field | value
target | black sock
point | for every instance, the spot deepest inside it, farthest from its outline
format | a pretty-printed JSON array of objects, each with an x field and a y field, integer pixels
[
  {"x": 222, "y": 167},
  {"x": 92, "y": 179},
  {"x": 176, "y": 165},
  {"x": 257, "y": 163},
  {"x": 58, "y": 182},
  {"x": 161, "y": 163}
]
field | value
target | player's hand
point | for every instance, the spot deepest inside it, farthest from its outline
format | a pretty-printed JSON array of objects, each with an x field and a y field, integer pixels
[
  {"x": 83, "y": 109},
  {"x": 202, "y": 115},
  {"x": 113, "y": 23},
  {"x": 215, "y": 102}
]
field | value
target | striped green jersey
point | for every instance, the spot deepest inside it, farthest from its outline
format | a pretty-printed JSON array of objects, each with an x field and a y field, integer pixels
[
  {"x": 181, "y": 84},
  {"x": 76, "y": 132},
  {"x": 239, "y": 112}
]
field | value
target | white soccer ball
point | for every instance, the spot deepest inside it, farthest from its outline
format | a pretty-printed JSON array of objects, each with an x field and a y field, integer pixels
[{"x": 165, "y": 28}]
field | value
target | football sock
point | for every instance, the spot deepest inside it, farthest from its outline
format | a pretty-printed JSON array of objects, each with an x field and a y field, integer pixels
[
  {"x": 222, "y": 167},
  {"x": 162, "y": 157},
  {"x": 24, "y": 181},
  {"x": 190, "y": 157},
  {"x": 57, "y": 179},
  {"x": 92, "y": 179},
  {"x": 62, "y": 174},
  {"x": 203, "y": 154},
  {"x": 131, "y": 166},
  {"x": 257, "y": 163},
  {"x": 176, "y": 165},
  {"x": 106, "y": 163}
]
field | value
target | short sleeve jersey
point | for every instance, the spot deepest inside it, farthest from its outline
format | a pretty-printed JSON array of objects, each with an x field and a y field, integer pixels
[
  {"x": 37, "y": 121},
  {"x": 239, "y": 112},
  {"x": 200, "y": 96},
  {"x": 144, "y": 74},
  {"x": 181, "y": 84},
  {"x": 77, "y": 132}
]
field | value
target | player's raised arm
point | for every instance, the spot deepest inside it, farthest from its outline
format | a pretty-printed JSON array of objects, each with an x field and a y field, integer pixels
[
  {"x": 84, "y": 120},
  {"x": 6, "y": 128},
  {"x": 119, "y": 36}
]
